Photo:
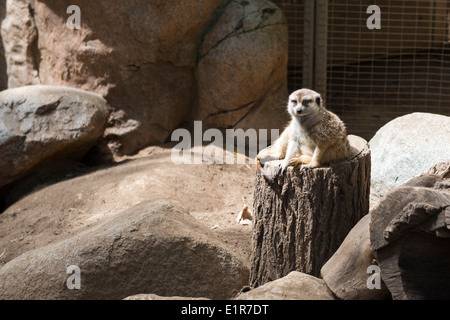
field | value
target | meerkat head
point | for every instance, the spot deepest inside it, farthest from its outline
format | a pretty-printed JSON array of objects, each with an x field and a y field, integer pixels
[{"x": 304, "y": 102}]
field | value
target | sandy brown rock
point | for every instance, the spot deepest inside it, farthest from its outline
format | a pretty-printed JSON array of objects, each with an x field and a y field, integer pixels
[
  {"x": 152, "y": 247},
  {"x": 60, "y": 206},
  {"x": 157, "y": 63},
  {"x": 410, "y": 231},
  {"x": 294, "y": 286},
  {"x": 402, "y": 210},
  {"x": 345, "y": 273},
  {"x": 442, "y": 169},
  {"x": 3, "y": 72},
  {"x": 20, "y": 44},
  {"x": 149, "y": 296},
  {"x": 242, "y": 68},
  {"x": 139, "y": 55}
]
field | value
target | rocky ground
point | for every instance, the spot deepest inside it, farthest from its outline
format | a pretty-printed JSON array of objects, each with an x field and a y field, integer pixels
[
  {"x": 145, "y": 225},
  {"x": 213, "y": 194},
  {"x": 69, "y": 208},
  {"x": 80, "y": 186}
]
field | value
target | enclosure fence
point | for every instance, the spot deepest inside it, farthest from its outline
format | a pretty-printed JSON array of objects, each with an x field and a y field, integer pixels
[{"x": 371, "y": 75}]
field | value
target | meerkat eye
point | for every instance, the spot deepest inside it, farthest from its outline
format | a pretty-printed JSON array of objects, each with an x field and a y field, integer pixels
[{"x": 294, "y": 101}]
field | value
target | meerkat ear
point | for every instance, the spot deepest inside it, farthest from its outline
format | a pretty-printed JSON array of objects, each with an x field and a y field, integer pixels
[{"x": 318, "y": 100}]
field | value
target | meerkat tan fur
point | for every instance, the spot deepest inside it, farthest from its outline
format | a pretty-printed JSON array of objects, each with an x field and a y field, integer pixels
[{"x": 314, "y": 137}]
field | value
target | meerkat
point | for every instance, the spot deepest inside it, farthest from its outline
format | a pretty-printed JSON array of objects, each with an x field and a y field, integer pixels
[{"x": 314, "y": 137}]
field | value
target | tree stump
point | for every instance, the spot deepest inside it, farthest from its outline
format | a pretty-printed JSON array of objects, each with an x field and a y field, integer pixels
[{"x": 302, "y": 217}]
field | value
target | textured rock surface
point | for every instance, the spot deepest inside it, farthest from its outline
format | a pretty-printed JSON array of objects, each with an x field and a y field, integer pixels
[
  {"x": 20, "y": 40},
  {"x": 157, "y": 63},
  {"x": 406, "y": 208},
  {"x": 43, "y": 123},
  {"x": 345, "y": 273},
  {"x": 410, "y": 231},
  {"x": 3, "y": 74},
  {"x": 294, "y": 286},
  {"x": 152, "y": 247},
  {"x": 44, "y": 209},
  {"x": 406, "y": 147},
  {"x": 149, "y": 296},
  {"x": 242, "y": 68},
  {"x": 139, "y": 55}
]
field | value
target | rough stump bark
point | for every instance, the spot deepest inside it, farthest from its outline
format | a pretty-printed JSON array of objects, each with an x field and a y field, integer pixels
[{"x": 302, "y": 217}]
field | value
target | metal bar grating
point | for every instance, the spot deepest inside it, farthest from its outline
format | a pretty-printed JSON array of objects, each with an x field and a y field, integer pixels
[
  {"x": 374, "y": 76},
  {"x": 294, "y": 12}
]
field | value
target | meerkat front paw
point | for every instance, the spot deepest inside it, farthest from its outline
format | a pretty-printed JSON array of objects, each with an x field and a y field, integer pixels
[
  {"x": 310, "y": 166},
  {"x": 258, "y": 164},
  {"x": 283, "y": 167},
  {"x": 302, "y": 160},
  {"x": 295, "y": 162}
]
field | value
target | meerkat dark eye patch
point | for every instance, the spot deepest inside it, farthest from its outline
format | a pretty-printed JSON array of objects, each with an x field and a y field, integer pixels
[
  {"x": 294, "y": 101},
  {"x": 306, "y": 102},
  {"x": 318, "y": 100}
]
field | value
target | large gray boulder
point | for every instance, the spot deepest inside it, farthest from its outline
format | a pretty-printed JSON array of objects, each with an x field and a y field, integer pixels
[
  {"x": 406, "y": 147},
  {"x": 153, "y": 247},
  {"x": 158, "y": 63},
  {"x": 43, "y": 123},
  {"x": 295, "y": 286}
]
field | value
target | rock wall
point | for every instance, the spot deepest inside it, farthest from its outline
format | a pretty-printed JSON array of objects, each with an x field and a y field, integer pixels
[
  {"x": 157, "y": 63},
  {"x": 3, "y": 75},
  {"x": 242, "y": 68}
]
